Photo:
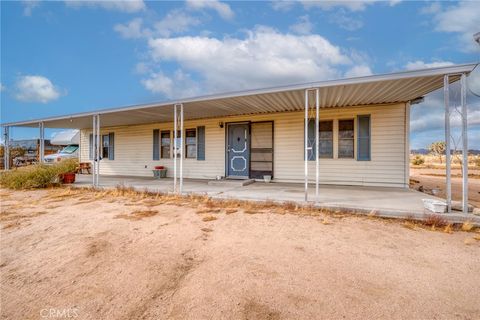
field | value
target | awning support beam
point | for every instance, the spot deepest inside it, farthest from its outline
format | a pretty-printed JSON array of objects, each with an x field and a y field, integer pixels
[
  {"x": 41, "y": 147},
  {"x": 317, "y": 142},
  {"x": 96, "y": 149},
  {"x": 463, "y": 82},
  {"x": 178, "y": 149},
  {"x": 448, "y": 178},
  {"x": 6, "y": 147}
]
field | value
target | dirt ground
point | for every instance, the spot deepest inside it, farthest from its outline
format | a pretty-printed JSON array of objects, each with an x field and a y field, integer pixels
[
  {"x": 435, "y": 178},
  {"x": 100, "y": 256}
]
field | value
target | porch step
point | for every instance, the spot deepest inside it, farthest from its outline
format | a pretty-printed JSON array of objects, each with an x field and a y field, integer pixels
[{"x": 231, "y": 182}]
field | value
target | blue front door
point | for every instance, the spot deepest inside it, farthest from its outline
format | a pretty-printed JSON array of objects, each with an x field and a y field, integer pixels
[{"x": 238, "y": 150}]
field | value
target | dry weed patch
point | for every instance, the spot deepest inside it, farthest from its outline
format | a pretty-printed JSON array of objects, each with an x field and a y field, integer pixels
[
  {"x": 230, "y": 211},
  {"x": 209, "y": 218},
  {"x": 467, "y": 226},
  {"x": 138, "y": 215}
]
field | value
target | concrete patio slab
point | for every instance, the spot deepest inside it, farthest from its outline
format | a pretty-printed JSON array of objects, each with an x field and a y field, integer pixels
[{"x": 381, "y": 201}]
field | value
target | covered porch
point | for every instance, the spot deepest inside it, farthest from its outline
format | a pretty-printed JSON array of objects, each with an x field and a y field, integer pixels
[
  {"x": 379, "y": 201},
  {"x": 384, "y": 92}
]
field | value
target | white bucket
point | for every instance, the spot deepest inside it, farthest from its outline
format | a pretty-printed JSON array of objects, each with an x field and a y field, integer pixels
[
  {"x": 267, "y": 179},
  {"x": 434, "y": 205}
]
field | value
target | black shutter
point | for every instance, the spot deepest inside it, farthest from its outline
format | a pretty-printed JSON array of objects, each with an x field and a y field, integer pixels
[
  {"x": 156, "y": 144},
  {"x": 111, "y": 146},
  {"x": 90, "y": 149},
  {"x": 201, "y": 143},
  {"x": 363, "y": 138},
  {"x": 311, "y": 140}
]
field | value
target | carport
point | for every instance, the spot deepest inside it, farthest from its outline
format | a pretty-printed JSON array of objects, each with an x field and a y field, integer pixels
[{"x": 408, "y": 87}]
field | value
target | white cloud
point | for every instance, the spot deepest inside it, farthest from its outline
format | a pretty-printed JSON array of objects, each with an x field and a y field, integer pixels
[
  {"x": 303, "y": 26},
  {"x": 2, "y": 87},
  {"x": 419, "y": 64},
  {"x": 133, "y": 29},
  {"x": 178, "y": 86},
  {"x": 358, "y": 71},
  {"x": 358, "y": 5},
  {"x": 175, "y": 21},
  {"x": 282, "y": 5},
  {"x": 128, "y": 6},
  {"x": 263, "y": 58},
  {"x": 463, "y": 19},
  {"x": 221, "y": 8},
  {"x": 345, "y": 20},
  {"x": 34, "y": 88},
  {"x": 29, "y": 5}
]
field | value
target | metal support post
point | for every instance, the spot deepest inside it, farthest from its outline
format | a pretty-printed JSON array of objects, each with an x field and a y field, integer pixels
[
  {"x": 448, "y": 187},
  {"x": 41, "y": 147},
  {"x": 6, "y": 147},
  {"x": 463, "y": 82}
]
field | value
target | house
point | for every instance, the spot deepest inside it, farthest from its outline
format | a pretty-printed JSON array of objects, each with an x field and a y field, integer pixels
[{"x": 363, "y": 132}]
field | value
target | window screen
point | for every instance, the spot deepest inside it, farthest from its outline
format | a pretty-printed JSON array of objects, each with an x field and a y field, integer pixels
[
  {"x": 346, "y": 138},
  {"x": 105, "y": 146},
  {"x": 191, "y": 143},
  {"x": 179, "y": 143},
  {"x": 261, "y": 151},
  {"x": 326, "y": 139}
]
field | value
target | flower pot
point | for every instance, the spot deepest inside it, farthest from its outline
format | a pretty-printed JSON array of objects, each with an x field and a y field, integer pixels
[
  {"x": 159, "y": 167},
  {"x": 68, "y": 178}
]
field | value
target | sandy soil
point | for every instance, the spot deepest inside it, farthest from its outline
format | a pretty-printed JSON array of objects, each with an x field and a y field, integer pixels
[
  {"x": 431, "y": 178},
  {"x": 102, "y": 257}
]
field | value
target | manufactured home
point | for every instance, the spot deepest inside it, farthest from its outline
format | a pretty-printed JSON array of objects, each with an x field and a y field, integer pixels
[{"x": 349, "y": 132}]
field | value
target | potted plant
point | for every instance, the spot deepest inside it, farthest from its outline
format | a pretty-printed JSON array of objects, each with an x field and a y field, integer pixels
[{"x": 159, "y": 172}]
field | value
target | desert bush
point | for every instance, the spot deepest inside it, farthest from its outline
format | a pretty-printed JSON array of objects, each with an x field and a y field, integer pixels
[
  {"x": 475, "y": 160},
  {"x": 37, "y": 176},
  {"x": 418, "y": 160}
]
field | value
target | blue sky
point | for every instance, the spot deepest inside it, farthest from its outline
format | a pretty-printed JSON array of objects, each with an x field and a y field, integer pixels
[{"x": 64, "y": 57}]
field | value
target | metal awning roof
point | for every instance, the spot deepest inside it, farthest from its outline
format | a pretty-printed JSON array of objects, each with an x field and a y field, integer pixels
[{"x": 375, "y": 89}]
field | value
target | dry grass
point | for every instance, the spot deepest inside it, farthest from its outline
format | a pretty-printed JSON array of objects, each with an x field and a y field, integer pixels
[
  {"x": 208, "y": 210},
  {"x": 409, "y": 225},
  {"x": 206, "y": 205},
  {"x": 138, "y": 215},
  {"x": 209, "y": 218},
  {"x": 467, "y": 226},
  {"x": 435, "y": 221}
]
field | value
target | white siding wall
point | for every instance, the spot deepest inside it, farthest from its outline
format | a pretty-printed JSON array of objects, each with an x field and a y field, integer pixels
[{"x": 389, "y": 143}]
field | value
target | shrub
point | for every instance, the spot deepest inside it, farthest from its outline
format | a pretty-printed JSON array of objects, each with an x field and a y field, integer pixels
[
  {"x": 418, "y": 160},
  {"x": 37, "y": 176}
]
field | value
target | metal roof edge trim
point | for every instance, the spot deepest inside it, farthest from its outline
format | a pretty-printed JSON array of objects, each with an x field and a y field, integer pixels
[{"x": 455, "y": 69}]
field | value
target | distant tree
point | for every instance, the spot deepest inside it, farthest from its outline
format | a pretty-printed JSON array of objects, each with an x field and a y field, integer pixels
[{"x": 437, "y": 149}]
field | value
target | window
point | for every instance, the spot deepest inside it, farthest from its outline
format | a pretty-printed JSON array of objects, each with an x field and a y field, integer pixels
[
  {"x": 326, "y": 139},
  {"x": 69, "y": 149},
  {"x": 105, "y": 146},
  {"x": 346, "y": 138},
  {"x": 191, "y": 143},
  {"x": 179, "y": 143},
  {"x": 165, "y": 144}
]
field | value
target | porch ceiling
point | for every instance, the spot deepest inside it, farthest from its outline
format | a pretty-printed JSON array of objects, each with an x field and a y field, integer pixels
[{"x": 377, "y": 89}]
